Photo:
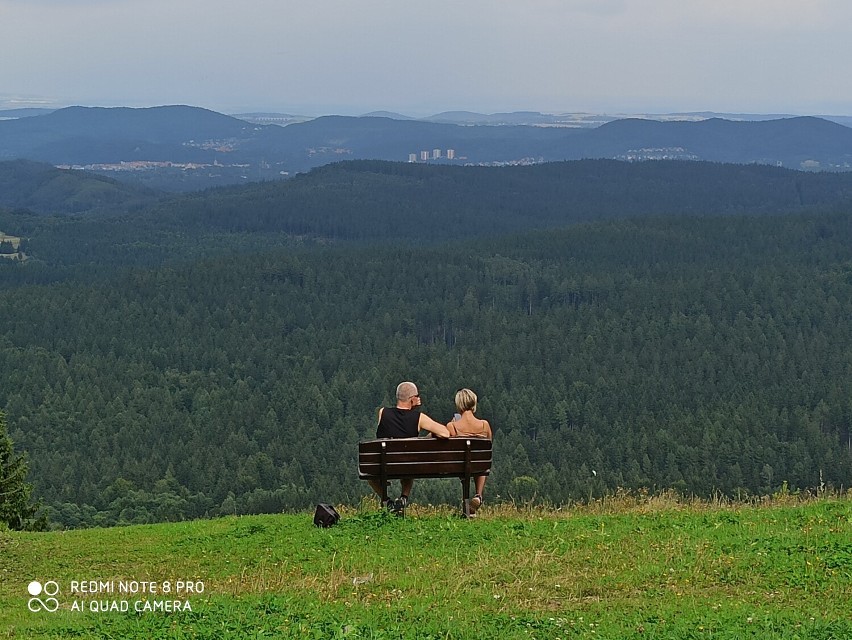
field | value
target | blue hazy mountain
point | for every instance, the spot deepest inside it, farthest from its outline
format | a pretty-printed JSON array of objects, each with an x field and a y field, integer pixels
[
  {"x": 787, "y": 141},
  {"x": 387, "y": 114},
  {"x": 235, "y": 150},
  {"x": 82, "y": 135},
  {"x": 11, "y": 114}
]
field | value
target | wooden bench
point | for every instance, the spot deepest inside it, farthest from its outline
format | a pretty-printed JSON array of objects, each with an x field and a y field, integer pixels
[{"x": 410, "y": 458}]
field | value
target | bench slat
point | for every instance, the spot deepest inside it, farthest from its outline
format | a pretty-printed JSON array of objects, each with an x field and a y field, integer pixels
[
  {"x": 454, "y": 469},
  {"x": 396, "y": 457},
  {"x": 425, "y": 444}
]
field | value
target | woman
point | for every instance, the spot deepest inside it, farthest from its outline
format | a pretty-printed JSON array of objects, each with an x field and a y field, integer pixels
[{"x": 467, "y": 425}]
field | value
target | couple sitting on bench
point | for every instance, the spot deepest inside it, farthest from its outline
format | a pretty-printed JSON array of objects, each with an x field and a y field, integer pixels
[{"x": 404, "y": 421}]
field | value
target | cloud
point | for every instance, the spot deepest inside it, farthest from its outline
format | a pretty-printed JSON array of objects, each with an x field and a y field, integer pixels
[
  {"x": 61, "y": 3},
  {"x": 754, "y": 15},
  {"x": 436, "y": 55}
]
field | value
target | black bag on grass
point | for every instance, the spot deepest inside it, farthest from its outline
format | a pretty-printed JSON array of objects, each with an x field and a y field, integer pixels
[{"x": 325, "y": 516}]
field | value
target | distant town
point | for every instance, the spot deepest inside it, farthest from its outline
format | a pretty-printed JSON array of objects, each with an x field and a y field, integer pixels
[
  {"x": 435, "y": 154},
  {"x": 449, "y": 155}
]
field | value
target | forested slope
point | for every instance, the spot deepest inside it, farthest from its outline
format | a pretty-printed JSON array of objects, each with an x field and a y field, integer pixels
[
  {"x": 371, "y": 200},
  {"x": 395, "y": 203},
  {"x": 701, "y": 353},
  {"x": 44, "y": 189}
]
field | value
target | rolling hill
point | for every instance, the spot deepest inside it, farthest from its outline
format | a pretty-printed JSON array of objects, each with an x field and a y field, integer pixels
[
  {"x": 182, "y": 134},
  {"x": 408, "y": 204},
  {"x": 44, "y": 189},
  {"x": 789, "y": 142},
  {"x": 82, "y": 135},
  {"x": 371, "y": 200}
]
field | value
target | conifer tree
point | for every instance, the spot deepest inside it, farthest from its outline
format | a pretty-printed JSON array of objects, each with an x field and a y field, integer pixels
[{"x": 16, "y": 509}]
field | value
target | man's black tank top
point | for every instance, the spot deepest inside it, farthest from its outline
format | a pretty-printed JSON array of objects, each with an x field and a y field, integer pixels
[{"x": 398, "y": 423}]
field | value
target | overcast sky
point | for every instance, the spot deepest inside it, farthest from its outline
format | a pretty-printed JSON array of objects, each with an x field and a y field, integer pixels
[{"x": 422, "y": 57}]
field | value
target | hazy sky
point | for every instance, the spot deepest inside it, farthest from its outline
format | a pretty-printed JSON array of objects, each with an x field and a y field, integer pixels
[{"x": 422, "y": 57}]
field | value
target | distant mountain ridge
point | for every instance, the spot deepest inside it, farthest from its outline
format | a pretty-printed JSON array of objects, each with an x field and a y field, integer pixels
[
  {"x": 534, "y": 118},
  {"x": 387, "y": 114},
  {"x": 81, "y": 135},
  {"x": 6, "y": 114},
  {"x": 190, "y": 135},
  {"x": 789, "y": 141},
  {"x": 153, "y": 124},
  {"x": 591, "y": 120}
]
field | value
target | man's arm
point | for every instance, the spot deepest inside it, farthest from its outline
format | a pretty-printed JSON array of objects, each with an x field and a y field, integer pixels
[{"x": 427, "y": 424}]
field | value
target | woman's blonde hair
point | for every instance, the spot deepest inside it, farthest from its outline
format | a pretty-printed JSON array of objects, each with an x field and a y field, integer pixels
[{"x": 465, "y": 400}]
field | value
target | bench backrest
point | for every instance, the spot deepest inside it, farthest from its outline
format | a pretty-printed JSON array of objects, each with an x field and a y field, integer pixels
[{"x": 424, "y": 458}]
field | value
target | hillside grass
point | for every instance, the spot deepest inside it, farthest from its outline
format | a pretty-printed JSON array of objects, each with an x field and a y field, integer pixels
[
  {"x": 625, "y": 567},
  {"x": 15, "y": 240}
]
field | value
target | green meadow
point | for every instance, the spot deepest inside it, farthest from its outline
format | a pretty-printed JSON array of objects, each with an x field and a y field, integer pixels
[{"x": 625, "y": 567}]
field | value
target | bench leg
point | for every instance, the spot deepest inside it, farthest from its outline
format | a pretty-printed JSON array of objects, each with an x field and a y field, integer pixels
[
  {"x": 385, "y": 497},
  {"x": 465, "y": 497}
]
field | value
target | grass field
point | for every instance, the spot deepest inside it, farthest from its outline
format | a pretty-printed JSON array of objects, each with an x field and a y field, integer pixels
[
  {"x": 16, "y": 241},
  {"x": 625, "y": 567}
]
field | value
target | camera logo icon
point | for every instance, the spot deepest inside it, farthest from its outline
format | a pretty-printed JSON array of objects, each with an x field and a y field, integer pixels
[{"x": 49, "y": 589}]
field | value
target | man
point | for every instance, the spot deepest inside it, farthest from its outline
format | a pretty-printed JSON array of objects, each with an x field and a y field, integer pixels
[{"x": 405, "y": 421}]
